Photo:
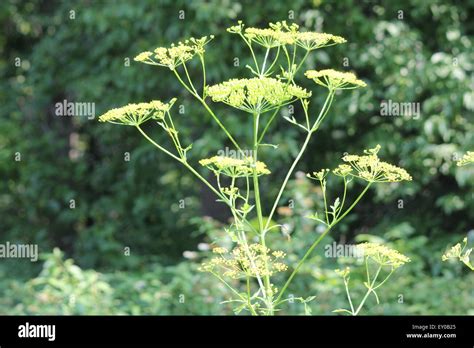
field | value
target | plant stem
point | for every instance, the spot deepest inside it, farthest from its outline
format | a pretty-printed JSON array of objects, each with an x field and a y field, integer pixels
[
  {"x": 204, "y": 77},
  {"x": 255, "y": 174},
  {"x": 189, "y": 78},
  {"x": 316, "y": 242},
  {"x": 208, "y": 109},
  {"x": 268, "y": 124},
  {"x": 252, "y": 262},
  {"x": 249, "y": 302},
  {"x": 262, "y": 73},
  {"x": 258, "y": 205},
  {"x": 295, "y": 162},
  {"x": 346, "y": 285},
  {"x": 300, "y": 263},
  {"x": 288, "y": 175},
  {"x": 231, "y": 138},
  {"x": 323, "y": 189},
  {"x": 353, "y": 204},
  {"x": 275, "y": 60},
  {"x": 157, "y": 145},
  {"x": 368, "y": 291},
  {"x": 249, "y": 44},
  {"x": 343, "y": 198},
  {"x": 186, "y": 164},
  {"x": 228, "y": 286}
]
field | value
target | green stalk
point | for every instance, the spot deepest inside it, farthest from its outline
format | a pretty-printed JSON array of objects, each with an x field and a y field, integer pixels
[
  {"x": 268, "y": 124},
  {"x": 300, "y": 263},
  {"x": 249, "y": 302},
  {"x": 295, "y": 162},
  {"x": 252, "y": 263},
  {"x": 346, "y": 285},
  {"x": 275, "y": 60},
  {"x": 203, "y": 65},
  {"x": 227, "y": 284},
  {"x": 368, "y": 292},
  {"x": 249, "y": 44},
  {"x": 258, "y": 205},
  {"x": 186, "y": 164},
  {"x": 189, "y": 78},
  {"x": 208, "y": 109},
  {"x": 255, "y": 175},
  {"x": 264, "y": 62},
  {"x": 316, "y": 242},
  {"x": 157, "y": 145}
]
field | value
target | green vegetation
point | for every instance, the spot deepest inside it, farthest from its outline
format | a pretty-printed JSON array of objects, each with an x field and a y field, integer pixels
[{"x": 93, "y": 191}]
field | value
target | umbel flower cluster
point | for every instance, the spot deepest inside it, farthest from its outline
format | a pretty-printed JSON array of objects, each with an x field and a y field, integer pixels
[
  {"x": 256, "y": 95},
  {"x": 383, "y": 255},
  {"x": 136, "y": 114},
  {"x": 254, "y": 260},
  {"x": 175, "y": 55},
  {"x": 468, "y": 158},
  {"x": 234, "y": 167},
  {"x": 333, "y": 79},
  {"x": 462, "y": 253},
  {"x": 281, "y": 33},
  {"x": 370, "y": 168},
  {"x": 383, "y": 258}
]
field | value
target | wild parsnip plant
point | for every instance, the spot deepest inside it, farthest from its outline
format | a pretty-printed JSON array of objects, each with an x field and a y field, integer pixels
[
  {"x": 468, "y": 158},
  {"x": 380, "y": 263},
  {"x": 458, "y": 252},
  {"x": 278, "y": 54}
]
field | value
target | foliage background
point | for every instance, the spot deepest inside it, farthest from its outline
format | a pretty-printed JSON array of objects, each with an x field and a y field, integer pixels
[{"x": 425, "y": 57}]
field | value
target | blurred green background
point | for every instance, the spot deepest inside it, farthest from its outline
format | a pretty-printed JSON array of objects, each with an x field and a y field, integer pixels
[{"x": 407, "y": 51}]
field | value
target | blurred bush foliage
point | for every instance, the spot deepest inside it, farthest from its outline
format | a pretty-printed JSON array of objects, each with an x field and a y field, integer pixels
[{"x": 407, "y": 51}]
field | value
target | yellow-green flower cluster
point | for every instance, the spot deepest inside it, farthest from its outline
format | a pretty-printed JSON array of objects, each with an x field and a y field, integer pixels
[
  {"x": 311, "y": 40},
  {"x": 175, "y": 55},
  {"x": 234, "y": 167},
  {"x": 343, "y": 170},
  {"x": 254, "y": 260},
  {"x": 136, "y": 114},
  {"x": 321, "y": 175},
  {"x": 383, "y": 255},
  {"x": 370, "y": 168},
  {"x": 278, "y": 34},
  {"x": 281, "y": 33},
  {"x": 333, "y": 79},
  {"x": 461, "y": 253},
  {"x": 466, "y": 159},
  {"x": 256, "y": 95},
  {"x": 344, "y": 273}
]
